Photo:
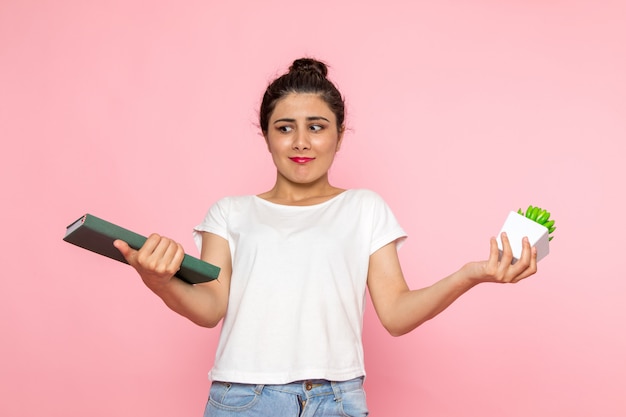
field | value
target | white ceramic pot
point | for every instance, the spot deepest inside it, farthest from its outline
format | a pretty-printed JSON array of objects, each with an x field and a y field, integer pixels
[{"x": 516, "y": 227}]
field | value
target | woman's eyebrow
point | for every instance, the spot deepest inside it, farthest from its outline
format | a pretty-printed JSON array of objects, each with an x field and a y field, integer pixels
[
  {"x": 309, "y": 119},
  {"x": 313, "y": 118}
]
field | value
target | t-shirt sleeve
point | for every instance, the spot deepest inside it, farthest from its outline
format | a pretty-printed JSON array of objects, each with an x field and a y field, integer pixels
[
  {"x": 215, "y": 222},
  {"x": 386, "y": 228}
]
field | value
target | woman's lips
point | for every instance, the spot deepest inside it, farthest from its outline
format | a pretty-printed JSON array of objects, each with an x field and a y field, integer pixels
[{"x": 301, "y": 159}]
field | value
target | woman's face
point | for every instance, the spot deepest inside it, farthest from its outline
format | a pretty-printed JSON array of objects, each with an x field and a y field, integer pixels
[{"x": 303, "y": 138}]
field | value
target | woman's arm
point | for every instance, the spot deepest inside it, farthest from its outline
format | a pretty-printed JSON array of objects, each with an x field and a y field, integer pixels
[
  {"x": 158, "y": 261},
  {"x": 401, "y": 310}
]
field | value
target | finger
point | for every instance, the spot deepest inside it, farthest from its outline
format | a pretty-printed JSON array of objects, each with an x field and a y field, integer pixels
[
  {"x": 524, "y": 259},
  {"x": 522, "y": 263},
  {"x": 533, "y": 261},
  {"x": 177, "y": 258},
  {"x": 127, "y": 252},
  {"x": 169, "y": 249},
  {"x": 162, "y": 249},
  {"x": 166, "y": 256},
  {"x": 532, "y": 267},
  {"x": 151, "y": 244},
  {"x": 494, "y": 254},
  {"x": 507, "y": 254},
  {"x": 151, "y": 251}
]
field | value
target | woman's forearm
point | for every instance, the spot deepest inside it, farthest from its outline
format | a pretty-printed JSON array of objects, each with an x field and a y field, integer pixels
[
  {"x": 203, "y": 304},
  {"x": 414, "y": 307}
]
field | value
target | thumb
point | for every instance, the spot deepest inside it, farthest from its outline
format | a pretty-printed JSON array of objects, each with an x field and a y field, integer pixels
[{"x": 124, "y": 249}]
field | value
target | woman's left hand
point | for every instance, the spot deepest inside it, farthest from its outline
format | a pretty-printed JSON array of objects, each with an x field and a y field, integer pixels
[{"x": 498, "y": 268}]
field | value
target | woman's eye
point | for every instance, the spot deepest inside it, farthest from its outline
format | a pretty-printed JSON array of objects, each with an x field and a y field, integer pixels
[
  {"x": 316, "y": 128},
  {"x": 285, "y": 129}
]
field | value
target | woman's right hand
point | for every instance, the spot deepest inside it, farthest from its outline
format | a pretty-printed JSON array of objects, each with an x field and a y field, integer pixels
[{"x": 157, "y": 261}]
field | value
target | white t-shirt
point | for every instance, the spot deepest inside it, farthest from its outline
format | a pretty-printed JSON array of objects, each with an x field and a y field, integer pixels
[{"x": 297, "y": 290}]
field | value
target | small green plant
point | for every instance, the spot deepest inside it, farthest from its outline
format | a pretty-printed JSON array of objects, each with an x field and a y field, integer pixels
[{"x": 541, "y": 216}]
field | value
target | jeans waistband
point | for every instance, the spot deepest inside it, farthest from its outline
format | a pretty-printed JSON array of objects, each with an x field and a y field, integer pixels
[{"x": 316, "y": 387}]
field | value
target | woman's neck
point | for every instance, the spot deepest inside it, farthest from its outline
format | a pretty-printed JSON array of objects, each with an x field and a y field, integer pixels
[{"x": 293, "y": 194}]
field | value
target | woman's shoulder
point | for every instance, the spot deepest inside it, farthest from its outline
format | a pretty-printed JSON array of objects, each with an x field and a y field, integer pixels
[
  {"x": 360, "y": 198},
  {"x": 233, "y": 201},
  {"x": 363, "y": 194},
  {"x": 237, "y": 198}
]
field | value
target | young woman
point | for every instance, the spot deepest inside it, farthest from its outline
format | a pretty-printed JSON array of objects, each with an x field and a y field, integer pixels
[{"x": 295, "y": 262}]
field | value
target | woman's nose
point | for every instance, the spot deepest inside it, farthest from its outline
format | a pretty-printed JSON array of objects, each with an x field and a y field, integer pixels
[{"x": 301, "y": 141}]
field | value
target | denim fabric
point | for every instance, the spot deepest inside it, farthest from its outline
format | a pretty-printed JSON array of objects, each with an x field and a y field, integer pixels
[{"x": 313, "y": 398}]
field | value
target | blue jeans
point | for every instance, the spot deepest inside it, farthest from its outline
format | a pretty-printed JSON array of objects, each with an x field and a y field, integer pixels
[{"x": 297, "y": 399}]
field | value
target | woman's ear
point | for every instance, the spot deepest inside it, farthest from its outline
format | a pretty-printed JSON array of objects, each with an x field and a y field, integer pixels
[
  {"x": 267, "y": 142},
  {"x": 340, "y": 138}
]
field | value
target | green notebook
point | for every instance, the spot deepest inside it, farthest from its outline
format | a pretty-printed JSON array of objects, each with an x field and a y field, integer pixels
[{"x": 97, "y": 235}]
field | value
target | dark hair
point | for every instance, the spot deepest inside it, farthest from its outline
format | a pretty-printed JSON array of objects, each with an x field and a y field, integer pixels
[{"x": 306, "y": 75}]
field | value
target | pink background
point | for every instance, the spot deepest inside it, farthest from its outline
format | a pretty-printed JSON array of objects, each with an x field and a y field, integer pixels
[{"x": 144, "y": 113}]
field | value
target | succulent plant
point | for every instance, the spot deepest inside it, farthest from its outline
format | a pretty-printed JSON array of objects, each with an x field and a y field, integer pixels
[{"x": 541, "y": 216}]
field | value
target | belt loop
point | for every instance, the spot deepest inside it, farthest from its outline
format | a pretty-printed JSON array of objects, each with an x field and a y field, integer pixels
[
  {"x": 259, "y": 389},
  {"x": 336, "y": 390}
]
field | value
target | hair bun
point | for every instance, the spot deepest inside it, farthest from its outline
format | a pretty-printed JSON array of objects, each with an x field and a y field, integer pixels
[{"x": 309, "y": 65}]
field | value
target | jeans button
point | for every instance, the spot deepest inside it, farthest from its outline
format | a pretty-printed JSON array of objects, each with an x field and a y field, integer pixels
[{"x": 308, "y": 386}]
